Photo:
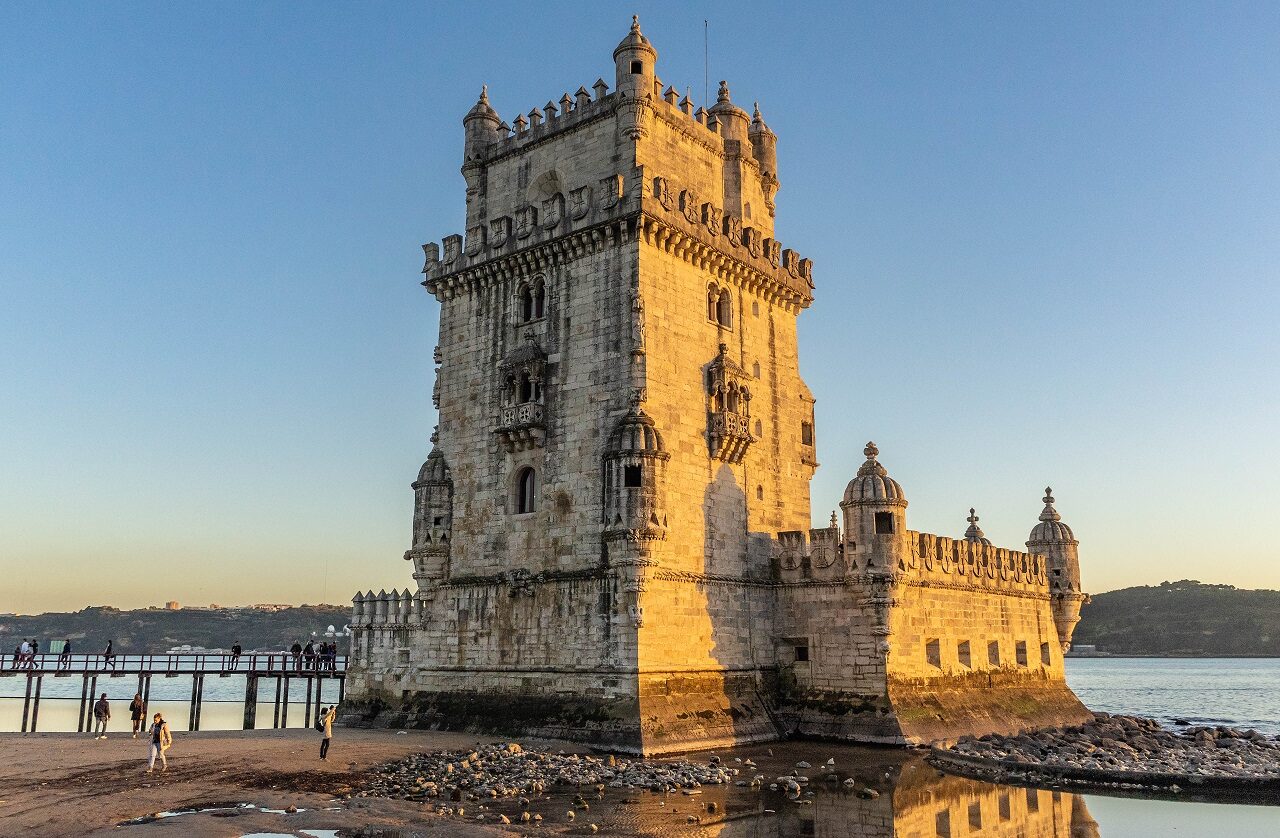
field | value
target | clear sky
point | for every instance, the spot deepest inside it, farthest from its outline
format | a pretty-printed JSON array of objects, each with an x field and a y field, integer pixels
[{"x": 1046, "y": 240}]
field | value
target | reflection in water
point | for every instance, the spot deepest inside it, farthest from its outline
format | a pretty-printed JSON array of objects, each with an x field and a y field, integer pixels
[{"x": 913, "y": 801}]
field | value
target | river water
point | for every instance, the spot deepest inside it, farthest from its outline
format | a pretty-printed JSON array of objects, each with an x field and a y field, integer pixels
[{"x": 914, "y": 800}]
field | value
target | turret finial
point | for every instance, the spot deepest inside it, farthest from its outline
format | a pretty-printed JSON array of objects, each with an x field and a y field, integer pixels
[
  {"x": 833, "y": 519},
  {"x": 974, "y": 533},
  {"x": 635, "y": 22},
  {"x": 755, "y": 112},
  {"x": 484, "y": 93},
  {"x": 723, "y": 95},
  {"x": 871, "y": 452},
  {"x": 973, "y": 518},
  {"x": 1049, "y": 513}
]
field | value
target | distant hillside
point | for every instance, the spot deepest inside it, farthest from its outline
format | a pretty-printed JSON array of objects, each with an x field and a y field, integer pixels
[
  {"x": 156, "y": 630},
  {"x": 1184, "y": 618}
]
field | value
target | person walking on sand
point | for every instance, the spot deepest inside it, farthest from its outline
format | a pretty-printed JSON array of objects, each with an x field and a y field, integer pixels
[
  {"x": 64, "y": 657},
  {"x": 161, "y": 741},
  {"x": 135, "y": 713},
  {"x": 101, "y": 715},
  {"x": 325, "y": 722}
]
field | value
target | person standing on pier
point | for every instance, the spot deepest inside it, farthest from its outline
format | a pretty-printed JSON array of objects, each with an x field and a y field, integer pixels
[
  {"x": 325, "y": 722},
  {"x": 22, "y": 657},
  {"x": 309, "y": 655},
  {"x": 135, "y": 713},
  {"x": 161, "y": 741},
  {"x": 108, "y": 656},
  {"x": 64, "y": 657},
  {"x": 101, "y": 715},
  {"x": 296, "y": 651},
  {"x": 235, "y": 655}
]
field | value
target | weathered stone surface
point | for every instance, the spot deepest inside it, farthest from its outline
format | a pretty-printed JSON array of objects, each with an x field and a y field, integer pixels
[{"x": 611, "y": 535}]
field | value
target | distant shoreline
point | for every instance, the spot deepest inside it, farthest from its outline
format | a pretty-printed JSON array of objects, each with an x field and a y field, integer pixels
[{"x": 1131, "y": 655}]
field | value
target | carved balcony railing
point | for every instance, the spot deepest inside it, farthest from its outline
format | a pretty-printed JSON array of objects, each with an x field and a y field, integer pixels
[
  {"x": 729, "y": 435},
  {"x": 523, "y": 426}
]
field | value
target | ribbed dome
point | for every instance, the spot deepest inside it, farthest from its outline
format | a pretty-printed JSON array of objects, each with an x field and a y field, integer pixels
[
  {"x": 635, "y": 40},
  {"x": 873, "y": 485},
  {"x": 434, "y": 470},
  {"x": 1050, "y": 529},
  {"x": 481, "y": 108},
  {"x": 974, "y": 533},
  {"x": 636, "y": 433}
]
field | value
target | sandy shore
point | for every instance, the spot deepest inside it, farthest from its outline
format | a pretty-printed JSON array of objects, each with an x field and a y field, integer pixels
[{"x": 61, "y": 784}]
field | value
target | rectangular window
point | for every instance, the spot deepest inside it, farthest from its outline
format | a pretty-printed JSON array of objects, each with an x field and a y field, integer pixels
[
  {"x": 942, "y": 824},
  {"x": 1020, "y": 651},
  {"x": 1005, "y": 814},
  {"x": 884, "y": 523},
  {"x": 933, "y": 653},
  {"x": 806, "y": 433},
  {"x": 1044, "y": 654},
  {"x": 1033, "y": 800},
  {"x": 632, "y": 477},
  {"x": 962, "y": 654},
  {"x": 993, "y": 653},
  {"x": 975, "y": 815},
  {"x": 802, "y": 654}
]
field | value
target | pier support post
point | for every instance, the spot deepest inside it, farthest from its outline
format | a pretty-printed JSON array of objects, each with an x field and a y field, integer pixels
[
  {"x": 199, "y": 700},
  {"x": 275, "y": 716},
  {"x": 35, "y": 704},
  {"x": 146, "y": 698},
  {"x": 191, "y": 713},
  {"x": 26, "y": 703},
  {"x": 250, "y": 701},
  {"x": 306, "y": 714},
  {"x": 284, "y": 704},
  {"x": 84, "y": 703}
]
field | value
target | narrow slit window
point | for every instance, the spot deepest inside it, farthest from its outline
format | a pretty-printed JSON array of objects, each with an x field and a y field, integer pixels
[
  {"x": 1020, "y": 651},
  {"x": 962, "y": 654},
  {"x": 526, "y": 491},
  {"x": 993, "y": 653},
  {"x": 806, "y": 436},
  {"x": 1044, "y": 654},
  {"x": 933, "y": 653}
]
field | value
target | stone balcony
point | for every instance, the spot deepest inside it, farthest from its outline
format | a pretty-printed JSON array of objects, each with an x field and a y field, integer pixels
[
  {"x": 729, "y": 435},
  {"x": 522, "y": 426}
]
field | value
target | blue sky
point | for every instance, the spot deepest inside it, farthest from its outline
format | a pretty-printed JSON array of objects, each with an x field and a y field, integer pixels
[{"x": 1046, "y": 241}]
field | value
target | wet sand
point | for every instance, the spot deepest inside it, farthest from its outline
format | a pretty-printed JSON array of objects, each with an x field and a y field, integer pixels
[{"x": 63, "y": 784}]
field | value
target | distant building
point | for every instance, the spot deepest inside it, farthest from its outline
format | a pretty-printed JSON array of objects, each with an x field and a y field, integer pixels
[{"x": 172, "y": 605}]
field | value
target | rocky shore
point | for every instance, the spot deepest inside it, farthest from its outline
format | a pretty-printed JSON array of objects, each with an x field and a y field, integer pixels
[{"x": 1127, "y": 753}]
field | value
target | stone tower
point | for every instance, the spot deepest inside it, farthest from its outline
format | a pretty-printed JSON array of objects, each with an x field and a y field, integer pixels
[
  {"x": 621, "y": 417},
  {"x": 611, "y": 535}
]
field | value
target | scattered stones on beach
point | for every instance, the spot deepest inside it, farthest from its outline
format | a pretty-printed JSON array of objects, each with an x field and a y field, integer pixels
[
  {"x": 503, "y": 771},
  {"x": 1131, "y": 746}
]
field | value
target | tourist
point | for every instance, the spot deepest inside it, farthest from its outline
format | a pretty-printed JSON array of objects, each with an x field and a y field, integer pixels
[
  {"x": 325, "y": 723},
  {"x": 64, "y": 657},
  {"x": 108, "y": 656},
  {"x": 24, "y": 654},
  {"x": 35, "y": 650},
  {"x": 135, "y": 712},
  {"x": 309, "y": 655},
  {"x": 235, "y": 655},
  {"x": 17, "y": 655},
  {"x": 161, "y": 741},
  {"x": 101, "y": 715},
  {"x": 296, "y": 651}
]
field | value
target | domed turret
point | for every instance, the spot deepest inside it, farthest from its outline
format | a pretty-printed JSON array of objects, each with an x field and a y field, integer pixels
[
  {"x": 764, "y": 145},
  {"x": 733, "y": 119},
  {"x": 481, "y": 127},
  {"x": 634, "y": 60},
  {"x": 875, "y": 517},
  {"x": 633, "y": 473},
  {"x": 974, "y": 533},
  {"x": 1057, "y": 543},
  {"x": 636, "y": 433},
  {"x": 432, "y": 517},
  {"x": 1050, "y": 530},
  {"x": 873, "y": 485}
]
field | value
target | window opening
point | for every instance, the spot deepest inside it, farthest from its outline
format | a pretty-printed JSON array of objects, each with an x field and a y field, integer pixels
[
  {"x": 993, "y": 653},
  {"x": 1020, "y": 651},
  {"x": 802, "y": 654},
  {"x": 933, "y": 653},
  {"x": 632, "y": 477},
  {"x": 806, "y": 438},
  {"x": 637, "y": 67},
  {"x": 527, "y": 488},
  {"x": 884, "y": 523}
]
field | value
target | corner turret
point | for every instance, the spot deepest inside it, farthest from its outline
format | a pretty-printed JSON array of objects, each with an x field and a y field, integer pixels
[
  {"x": 481, "y": 127},
  {"x": 975, "y": 534},
  {"x": 432, "y": 519},
  {"x": 875, "y": 518},
  {"x": 634, "y": 60},
  {"x": 764, "y": 145},
  {"x": 1055, "y": 541},
  {"x": 734, "y": 123}
]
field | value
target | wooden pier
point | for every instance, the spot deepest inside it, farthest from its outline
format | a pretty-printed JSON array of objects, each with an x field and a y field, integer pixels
[{"x": 281, "y": 666}]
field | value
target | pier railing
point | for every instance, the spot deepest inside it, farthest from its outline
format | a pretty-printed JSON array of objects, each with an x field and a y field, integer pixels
[{"x": 281, "y": 666}]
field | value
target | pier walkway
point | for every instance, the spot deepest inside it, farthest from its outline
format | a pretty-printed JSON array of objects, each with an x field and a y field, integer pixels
[{"x": 283, "y": 667}]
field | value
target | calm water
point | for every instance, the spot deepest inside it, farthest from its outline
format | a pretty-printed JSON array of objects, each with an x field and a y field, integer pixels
[{"x": 914, "y": 800}]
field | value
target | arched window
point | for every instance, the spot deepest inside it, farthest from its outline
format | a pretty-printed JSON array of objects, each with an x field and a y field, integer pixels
[
  {"x": 733, "y": 399},
  {"x": 526, "y": 388},
  {"x": 724, "y": 309},
  {"x": 526, "y": 490},
  {"x": 713, "y": 298},
  {"x": 539, "y": 300},
  {"x": 526, "y": 304},
  {"x": 759, "y": 493}
]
